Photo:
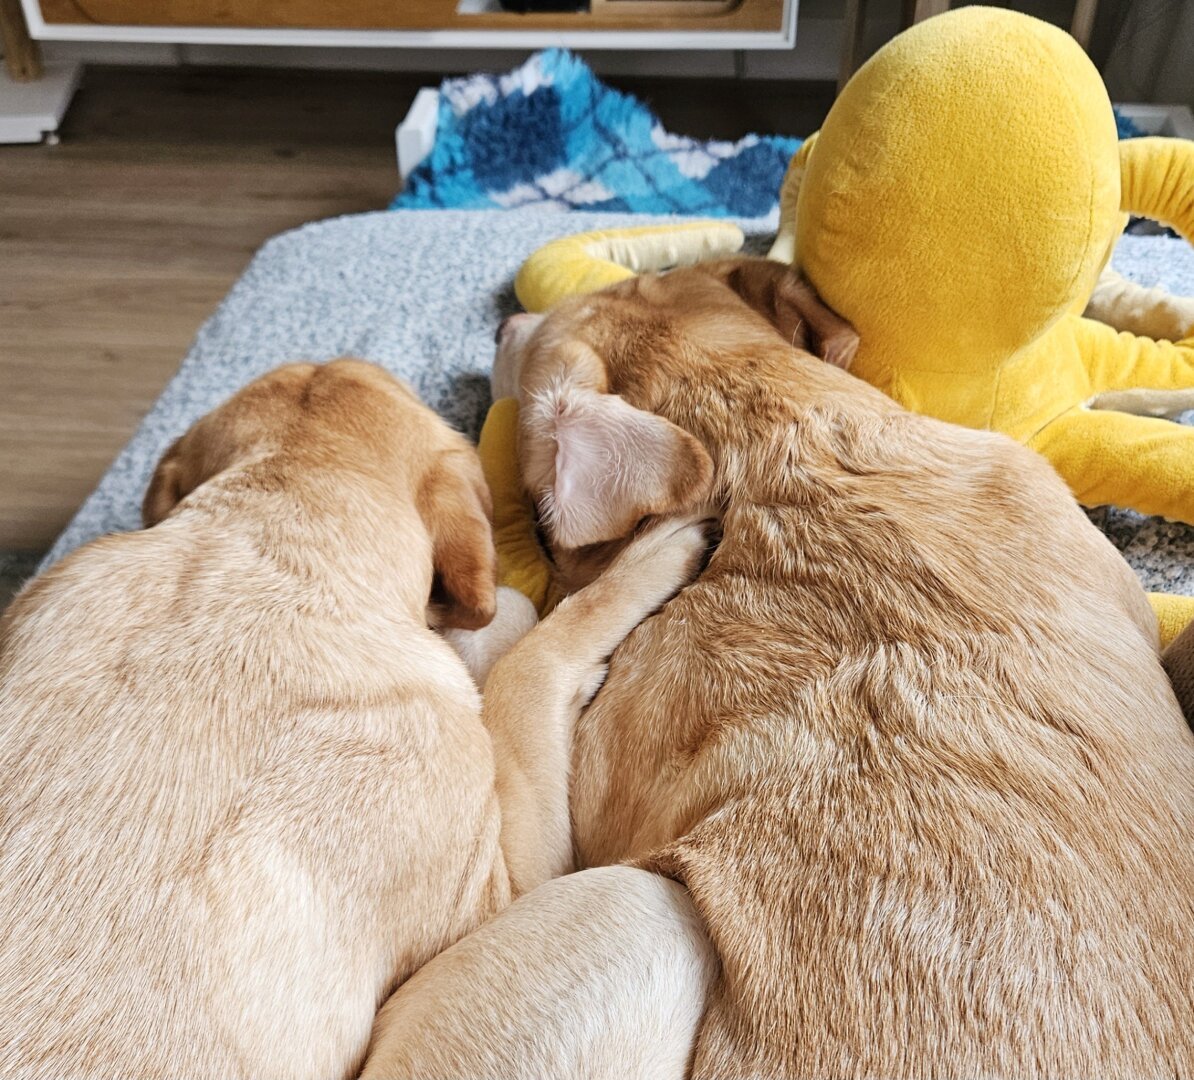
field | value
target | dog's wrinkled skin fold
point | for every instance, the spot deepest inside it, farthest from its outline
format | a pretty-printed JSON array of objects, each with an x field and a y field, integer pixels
[
  {"x": 906, "y": 740},
  {"x": 244, "y": 790}
]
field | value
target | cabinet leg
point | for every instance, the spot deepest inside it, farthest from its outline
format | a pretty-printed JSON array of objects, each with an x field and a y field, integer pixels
[
  {"x": 927, "y": 8},
  {"x": 22, "y": 56},
  {"x": 851, "y": 41}
]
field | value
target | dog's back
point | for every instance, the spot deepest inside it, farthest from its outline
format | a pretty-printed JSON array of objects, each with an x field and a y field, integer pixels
[
  {"x": 908, "y": 744},
  {"x": 215, "y": 854}
]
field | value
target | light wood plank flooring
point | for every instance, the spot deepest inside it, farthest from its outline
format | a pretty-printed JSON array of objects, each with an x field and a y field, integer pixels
[{"x": 117, "y": 243}]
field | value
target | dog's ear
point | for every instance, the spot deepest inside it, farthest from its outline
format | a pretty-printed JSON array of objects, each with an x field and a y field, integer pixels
[
  {"x": 165, "y": 489},
  {"x": 792, "y": 306},
  {"x": 598, "y": 465},
  {"x": 455, "y": 507}
]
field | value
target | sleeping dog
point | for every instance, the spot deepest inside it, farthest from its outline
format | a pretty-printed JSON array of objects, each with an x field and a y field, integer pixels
[
  {"x": 906, "y": 741},
  {"x": 244, "y": 789}
]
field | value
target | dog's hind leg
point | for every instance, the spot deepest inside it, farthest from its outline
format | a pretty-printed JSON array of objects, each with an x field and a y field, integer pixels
[{"x": 603, "y": 973}]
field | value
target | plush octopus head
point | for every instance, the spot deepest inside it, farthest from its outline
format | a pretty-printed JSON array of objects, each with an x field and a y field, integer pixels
[
  {"x": 964, "y": 191},
  {"x": 962, "y": 195}
]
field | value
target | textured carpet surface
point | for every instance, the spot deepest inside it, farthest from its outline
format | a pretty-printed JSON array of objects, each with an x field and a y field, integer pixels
[{"x": 421, "y": 294}]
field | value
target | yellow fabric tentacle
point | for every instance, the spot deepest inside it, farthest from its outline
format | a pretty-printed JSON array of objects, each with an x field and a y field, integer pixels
[
  {"x": 1174, "y": 614},
  {"x": 587, "y": 262},
  {"x": 1157, "y": 181},
  {"x": 521, "y": 563}
]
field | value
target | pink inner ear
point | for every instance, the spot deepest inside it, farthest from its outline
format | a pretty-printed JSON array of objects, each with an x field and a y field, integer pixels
[
  {"x": 564, "y": 485},
  {"x": 586, "y": 469},
  {"x": 612, "y": 464},
  {"x": 565, "y": 468}
]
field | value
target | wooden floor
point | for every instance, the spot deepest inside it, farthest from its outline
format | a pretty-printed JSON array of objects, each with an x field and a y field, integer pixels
[{"x": 117, "y": 243}]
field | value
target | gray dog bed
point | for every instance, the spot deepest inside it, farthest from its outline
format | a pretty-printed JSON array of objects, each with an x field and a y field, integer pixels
[{"x": 421, "y": 292}]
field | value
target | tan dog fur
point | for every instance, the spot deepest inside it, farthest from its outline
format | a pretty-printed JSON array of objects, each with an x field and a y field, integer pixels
[
  {"x": 906, "y": 740},
  {"x": 245, "y": 790}
]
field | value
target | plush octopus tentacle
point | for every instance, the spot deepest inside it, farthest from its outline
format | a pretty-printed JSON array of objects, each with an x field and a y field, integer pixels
[
  {"x": 1157, "y": 181},
  {"x": 1174, "y": 614},
  {"x": 575, "y": 265},
  {"x": 1113, "y": 458},
  {"x": 784, "y": 249},
  {"x": 521, "y": 562},
  {"x": 1161, "y": 371},
  {"x": 1149, "y": 312}
]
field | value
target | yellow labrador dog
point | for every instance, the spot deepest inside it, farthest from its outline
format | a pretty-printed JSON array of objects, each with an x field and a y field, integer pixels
[
  {"x": 906, "y": 740},
  {"x": 244, "y": 790}
]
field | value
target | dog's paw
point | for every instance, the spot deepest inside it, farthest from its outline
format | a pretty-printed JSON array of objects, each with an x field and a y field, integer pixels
[
  {"x": 840, "y": 347},
  {"x": 481, "y": 649},
  {"x": 665, "y": 556}
]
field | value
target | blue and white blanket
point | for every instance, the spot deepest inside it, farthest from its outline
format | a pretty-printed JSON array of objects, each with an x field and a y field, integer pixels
[{"x": 552, "y": 135}]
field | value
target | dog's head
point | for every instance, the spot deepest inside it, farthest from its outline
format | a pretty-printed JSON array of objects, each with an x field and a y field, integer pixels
[
  {"x": 353, "y": 416},
  {"x": 629, "y": 395}
]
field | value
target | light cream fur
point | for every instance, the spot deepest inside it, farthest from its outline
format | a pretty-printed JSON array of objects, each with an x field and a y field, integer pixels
[
  {"x": 515, "y": 616},
  {"x": 599, "y": 975},
  {"x": 244, "y": 789}
]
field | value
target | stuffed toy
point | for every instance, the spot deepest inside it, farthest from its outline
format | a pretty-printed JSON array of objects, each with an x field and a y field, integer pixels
[
  {"x": 964, "y": 279},
  {"x": 958, "y": 207},
  {"x": 521, "y": 562}
]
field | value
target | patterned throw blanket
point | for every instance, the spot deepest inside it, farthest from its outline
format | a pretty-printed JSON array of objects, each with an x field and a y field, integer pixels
[{"x": 552, "y": 135}]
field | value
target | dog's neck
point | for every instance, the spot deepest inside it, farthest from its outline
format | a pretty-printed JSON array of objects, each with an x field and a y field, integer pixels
[
  {"x": 347, "y": 544},
  {"x": 782, "y": 447}
]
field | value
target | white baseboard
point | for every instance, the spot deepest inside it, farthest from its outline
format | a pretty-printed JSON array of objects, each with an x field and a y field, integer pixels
[{"x": 415, "y": 136}]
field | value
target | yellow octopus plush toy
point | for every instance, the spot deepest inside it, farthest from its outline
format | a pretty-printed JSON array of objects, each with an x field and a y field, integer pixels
[{"x": 958, "y": 206}]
